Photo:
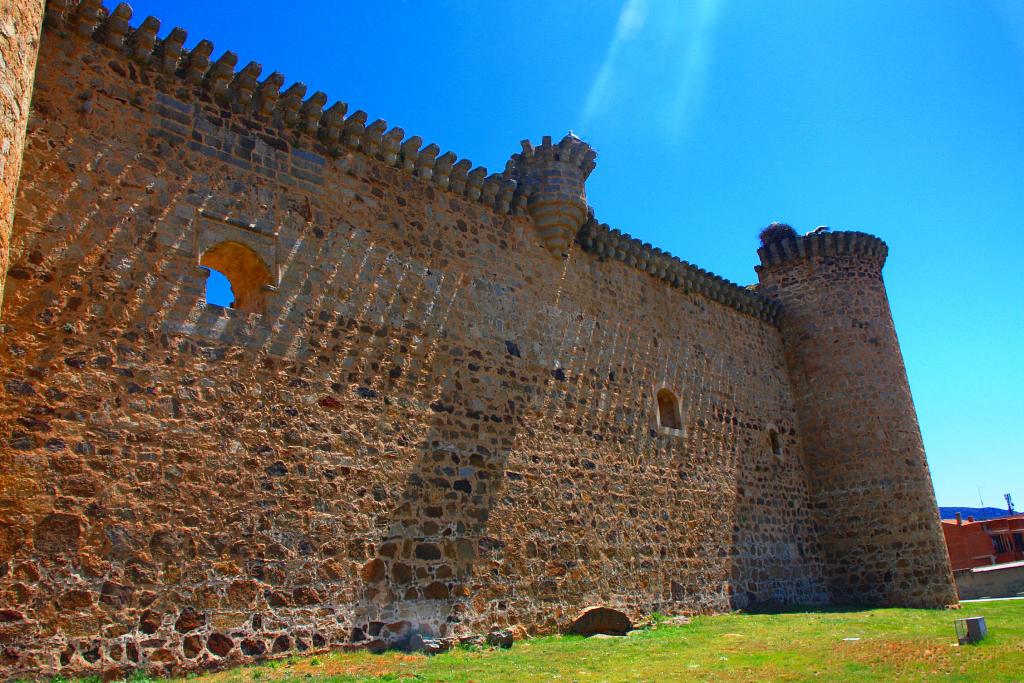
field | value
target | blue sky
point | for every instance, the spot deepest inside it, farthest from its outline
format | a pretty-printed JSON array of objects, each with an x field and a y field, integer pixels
[{"x": 713, "y": 118}]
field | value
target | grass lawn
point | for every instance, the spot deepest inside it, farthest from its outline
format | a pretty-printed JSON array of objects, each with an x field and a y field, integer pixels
[{"x": 891, "y": 645}]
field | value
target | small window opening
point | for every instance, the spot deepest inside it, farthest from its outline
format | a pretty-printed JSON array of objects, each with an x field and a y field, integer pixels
[
  {"x": 668, "y": 410},
  {"x": 218, "y": 289},
  {"x": 999, "y": 544},
  {"x": 238, "y": 277},
  {"x": 1018, "y": 541},
  {"x": 773, "y": 437}
]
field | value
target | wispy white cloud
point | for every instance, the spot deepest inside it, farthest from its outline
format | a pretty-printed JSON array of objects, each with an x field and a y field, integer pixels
[
  {"x": 631, "y": 22},
  {"x": 662, "y": 42},
  {"x": 694, "y": 66}
]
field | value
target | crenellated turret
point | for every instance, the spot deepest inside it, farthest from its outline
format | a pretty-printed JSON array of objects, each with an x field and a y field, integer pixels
[
  {"x": 866, "y": 465},
  {"x": 553, "y": 177}
]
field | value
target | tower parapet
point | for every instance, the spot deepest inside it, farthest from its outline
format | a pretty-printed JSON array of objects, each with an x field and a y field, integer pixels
[
  {"x": 869, "y": 478},
  {"x": 552, "y": 177},
  {"x": 824, "y": 244}
]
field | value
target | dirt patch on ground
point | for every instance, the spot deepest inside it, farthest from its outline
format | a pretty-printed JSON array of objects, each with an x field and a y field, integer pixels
[
  {"x": 906, "y": 656},
  {"x": 373, "y": 665},
  {"x": 329, "y": 665}
]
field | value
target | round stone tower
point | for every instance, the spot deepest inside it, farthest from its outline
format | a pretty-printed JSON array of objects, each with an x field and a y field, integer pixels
[{"x": 865, "y": 459}]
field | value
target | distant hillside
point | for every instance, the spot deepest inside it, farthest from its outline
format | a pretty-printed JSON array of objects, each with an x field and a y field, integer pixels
[{"x": 978, "y": 513}]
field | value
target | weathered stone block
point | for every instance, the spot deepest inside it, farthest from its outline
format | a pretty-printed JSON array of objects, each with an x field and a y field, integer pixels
[{"x": 604, "y": 620}]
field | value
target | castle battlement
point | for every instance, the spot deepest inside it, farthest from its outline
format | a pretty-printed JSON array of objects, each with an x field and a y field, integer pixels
[
  {"x": 570, "y": 151},
  {"x": 606, "y": 242},
  {"x": 545, "y": 181},
  {"x": 243, "y": 92},
  {"x": 823, "y": 244}
]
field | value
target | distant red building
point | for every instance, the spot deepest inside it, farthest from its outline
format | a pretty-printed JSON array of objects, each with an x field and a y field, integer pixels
[{"x": 976, "y": 544}]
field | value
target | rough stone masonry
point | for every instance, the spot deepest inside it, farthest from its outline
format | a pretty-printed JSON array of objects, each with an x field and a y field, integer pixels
[{"x": 445, "y": 399}]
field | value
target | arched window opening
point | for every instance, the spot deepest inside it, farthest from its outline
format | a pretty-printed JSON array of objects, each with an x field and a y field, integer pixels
[
  {"x": 776, "y": 442},
  {"x": 246, "y": 273},
  {"x": 668, "y": 410}
]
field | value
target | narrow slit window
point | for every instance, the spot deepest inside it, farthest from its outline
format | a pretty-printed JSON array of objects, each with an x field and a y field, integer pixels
[
  {"x": 776, "y": 442},
  {"x": 668, "y": 410}
]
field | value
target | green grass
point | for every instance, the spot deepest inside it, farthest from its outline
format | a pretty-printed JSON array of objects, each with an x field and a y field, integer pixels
[{"x": 893, "y": 645}]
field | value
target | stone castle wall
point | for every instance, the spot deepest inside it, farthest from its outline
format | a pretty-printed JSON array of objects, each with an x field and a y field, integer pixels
[
  {"x": 432, "y": 425},
  {"x": 20, "y": 24}
]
